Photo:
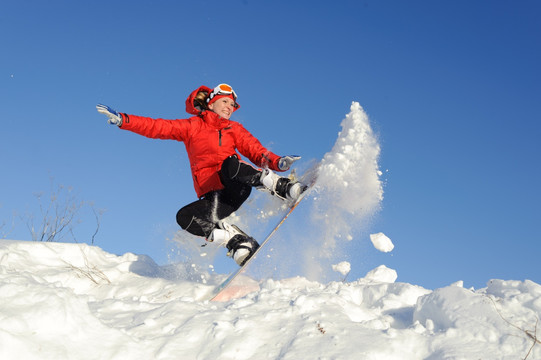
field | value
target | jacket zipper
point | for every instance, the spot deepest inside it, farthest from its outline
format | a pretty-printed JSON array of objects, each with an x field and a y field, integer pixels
[{"x": 220, "y": 135}]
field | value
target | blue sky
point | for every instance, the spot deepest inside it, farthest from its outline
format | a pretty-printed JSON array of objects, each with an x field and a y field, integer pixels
[{"x": 452, "y": 89}]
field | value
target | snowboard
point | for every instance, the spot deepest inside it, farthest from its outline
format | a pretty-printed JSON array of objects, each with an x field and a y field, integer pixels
[{"x": 309, "y": 179}]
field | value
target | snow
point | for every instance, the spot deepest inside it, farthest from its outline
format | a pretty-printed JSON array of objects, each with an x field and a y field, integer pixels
[
  {"x": 74, "y": 301},
  {"x": 349, "y": 187},
  {"x": 382, "y": 274},
  {"x": 346, "y": 196},
  {"x": 382, "y": 242},
  {"x": 343, "y": 267}
]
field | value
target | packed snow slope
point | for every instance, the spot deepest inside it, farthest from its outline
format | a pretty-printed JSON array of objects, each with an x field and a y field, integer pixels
[{"x": 74, "y": 301}]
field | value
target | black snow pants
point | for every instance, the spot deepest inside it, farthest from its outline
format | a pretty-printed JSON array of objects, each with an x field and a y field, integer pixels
[{"x": 200, "y": 217}]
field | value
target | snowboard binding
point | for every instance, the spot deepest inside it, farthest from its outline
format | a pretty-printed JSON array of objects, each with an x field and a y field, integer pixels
[
  {"x": 282, "y": 187},
  {"x": 241, "y": 248}
]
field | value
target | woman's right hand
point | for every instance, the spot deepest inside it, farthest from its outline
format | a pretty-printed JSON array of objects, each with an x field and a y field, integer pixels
[{"x": 114, "y": 117}]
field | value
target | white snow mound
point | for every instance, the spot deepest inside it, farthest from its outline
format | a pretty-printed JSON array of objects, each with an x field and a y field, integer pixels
[
  {"x": 382, "y": 274},
  {"x": 73, "y": 301}
]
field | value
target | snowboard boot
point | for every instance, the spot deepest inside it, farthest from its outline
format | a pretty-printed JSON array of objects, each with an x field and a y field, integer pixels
[
  {"x": 241, "y": 246},
  {"x": 223, "y": 232},
  {"x": 282, "y": 187}
]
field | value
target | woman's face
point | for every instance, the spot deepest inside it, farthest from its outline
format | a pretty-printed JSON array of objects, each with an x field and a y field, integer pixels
[{"x": 224, "y": 107}]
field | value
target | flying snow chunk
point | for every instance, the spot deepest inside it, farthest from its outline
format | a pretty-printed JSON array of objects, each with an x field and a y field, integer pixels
[
  {"x": 343, "y": 268},
  {"x": 381, "y": 242}
]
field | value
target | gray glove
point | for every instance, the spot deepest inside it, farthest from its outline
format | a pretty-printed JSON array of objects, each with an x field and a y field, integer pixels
[
  {"x": 114, "y": 117},
  {"x": 285, "y": 162}
]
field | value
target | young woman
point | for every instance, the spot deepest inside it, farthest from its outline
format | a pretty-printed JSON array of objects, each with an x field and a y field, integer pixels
[{"x": 222, "y": 180}]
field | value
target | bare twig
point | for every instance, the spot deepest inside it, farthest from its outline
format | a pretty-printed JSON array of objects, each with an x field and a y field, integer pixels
[
  {"x": 57, "y": 218},
  {"x": 528, "y": 333},
  {"x": 533, "y": 337},
  {"x": 345, "y": 277},
  {"x": 97, "y": 216},
  {"x": 7, "y": 227},
  {"x": 89, "y": 271}
]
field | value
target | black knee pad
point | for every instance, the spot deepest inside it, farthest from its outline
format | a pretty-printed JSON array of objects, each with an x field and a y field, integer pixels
[
  {"x": 184, "y": 218},
  {"x": 230, "y": 169}
]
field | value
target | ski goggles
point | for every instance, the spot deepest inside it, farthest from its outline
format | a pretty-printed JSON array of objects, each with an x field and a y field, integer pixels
[{"x": 222, "y": 89}]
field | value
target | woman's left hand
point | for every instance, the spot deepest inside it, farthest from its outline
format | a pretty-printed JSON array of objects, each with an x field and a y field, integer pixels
[{"x": 285, "y": 162}]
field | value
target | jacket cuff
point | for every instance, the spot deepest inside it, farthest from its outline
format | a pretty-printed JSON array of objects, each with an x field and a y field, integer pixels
[
  {"x": 275, "y": 161},
  {"x": 125, "y": 120}
]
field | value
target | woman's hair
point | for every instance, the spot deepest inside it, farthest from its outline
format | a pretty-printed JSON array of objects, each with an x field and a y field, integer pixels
[{"x": 200, "y": 100}]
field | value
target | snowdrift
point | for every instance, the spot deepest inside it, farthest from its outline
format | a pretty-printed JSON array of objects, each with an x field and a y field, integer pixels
[{"x": 73, "y": 301}]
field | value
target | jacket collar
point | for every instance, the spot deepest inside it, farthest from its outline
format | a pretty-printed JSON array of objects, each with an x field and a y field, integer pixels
[{"x": 214, "y": 119}]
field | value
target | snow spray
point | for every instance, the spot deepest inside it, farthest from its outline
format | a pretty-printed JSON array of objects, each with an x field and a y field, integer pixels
[{"x": 348, "y": 192}]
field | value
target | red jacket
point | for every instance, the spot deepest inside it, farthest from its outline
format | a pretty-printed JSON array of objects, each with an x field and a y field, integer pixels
[{"x": 209, "y": 140}]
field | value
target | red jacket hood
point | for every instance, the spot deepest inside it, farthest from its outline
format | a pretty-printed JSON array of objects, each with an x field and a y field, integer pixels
[{"x": 193, "y": 108}]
